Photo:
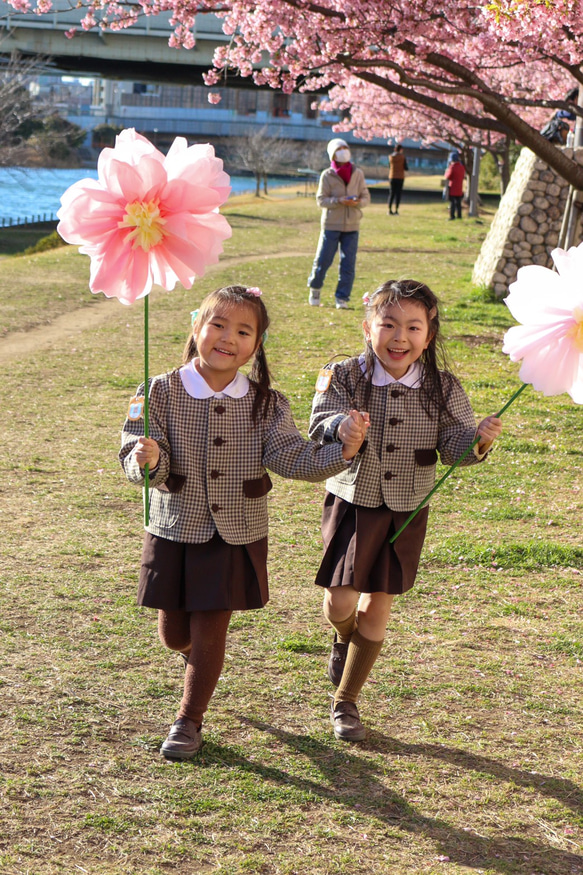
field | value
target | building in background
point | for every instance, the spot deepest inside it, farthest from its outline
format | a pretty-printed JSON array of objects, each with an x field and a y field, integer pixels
[{"x": 164, "y": 111}]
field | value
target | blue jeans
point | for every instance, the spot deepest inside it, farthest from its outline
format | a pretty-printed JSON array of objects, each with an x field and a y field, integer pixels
[{"x": 327, "y": 246}]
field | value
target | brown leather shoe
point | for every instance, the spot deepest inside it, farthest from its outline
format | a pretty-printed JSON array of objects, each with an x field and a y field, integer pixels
[
  {"x": 345, "y": 719},
  {"x": 184, "y": 740},
  {"x": 337, "y": 661}
]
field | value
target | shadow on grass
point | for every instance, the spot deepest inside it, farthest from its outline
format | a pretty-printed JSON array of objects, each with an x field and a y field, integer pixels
[{"x": 351, "y": 780}]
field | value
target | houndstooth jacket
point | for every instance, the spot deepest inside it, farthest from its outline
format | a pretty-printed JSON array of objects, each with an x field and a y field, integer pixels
[
  {"x": 211, "y": 475},
  {"x": 396, "y": 466}
]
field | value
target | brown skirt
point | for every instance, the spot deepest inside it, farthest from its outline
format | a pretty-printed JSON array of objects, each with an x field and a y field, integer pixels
[
  {"x": 357, "y": 551},
  {"x": 213, "y": 576}
]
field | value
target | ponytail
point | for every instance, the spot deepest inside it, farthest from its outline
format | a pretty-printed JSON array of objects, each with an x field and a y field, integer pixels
[{"x": 261, "y": 379}]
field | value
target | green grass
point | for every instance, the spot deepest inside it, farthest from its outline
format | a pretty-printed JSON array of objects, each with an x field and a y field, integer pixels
[{"x": 474, "y": 759}]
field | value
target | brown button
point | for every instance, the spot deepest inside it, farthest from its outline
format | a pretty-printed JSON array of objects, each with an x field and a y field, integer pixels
[
  {"x": 215, "y": 508},
  {"x": 219, "y": 409},
  {"x": 389, "y": 475},
  {"x": 394, "y": 421},
  {"x": 391, "y": 448},
  {"x": 396, "y": 394},
  {"x": 218, "y": 442},
  {"x": 215, "y": 475}
]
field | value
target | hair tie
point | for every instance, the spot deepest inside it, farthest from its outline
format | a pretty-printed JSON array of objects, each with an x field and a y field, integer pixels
[
  {"x": 193, "y": 315},
  {"x": 254, "y": 290},
  {"x": 366, "y": 299}
]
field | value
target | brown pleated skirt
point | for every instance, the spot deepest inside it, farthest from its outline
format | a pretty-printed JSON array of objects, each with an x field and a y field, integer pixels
[
  {"x": 357, "y": 551},
  {"x": 213, "y": 576}
]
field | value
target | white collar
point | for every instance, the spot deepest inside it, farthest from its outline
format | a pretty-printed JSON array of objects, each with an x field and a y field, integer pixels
[
  {"x": 197, "y": 386},
  {"x": 380, "y": 377}
]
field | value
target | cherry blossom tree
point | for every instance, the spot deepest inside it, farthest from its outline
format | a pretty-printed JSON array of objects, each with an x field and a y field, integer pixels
[{"x": 488, "y": 66}]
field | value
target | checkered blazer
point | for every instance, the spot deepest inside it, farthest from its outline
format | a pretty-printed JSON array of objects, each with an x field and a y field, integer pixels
[
  {"x": 396, "y": 465},
  {"x": 211, "y": 475}
]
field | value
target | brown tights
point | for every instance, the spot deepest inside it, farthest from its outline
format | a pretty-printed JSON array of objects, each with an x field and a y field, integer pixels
[{"x": 201, "y": 636}]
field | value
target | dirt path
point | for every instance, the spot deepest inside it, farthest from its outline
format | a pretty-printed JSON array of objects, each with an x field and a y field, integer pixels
[{"x": 64, "y": 328}]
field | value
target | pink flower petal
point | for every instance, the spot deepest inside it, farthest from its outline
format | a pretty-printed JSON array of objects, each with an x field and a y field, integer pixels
[{"x": 569, "y": 263}]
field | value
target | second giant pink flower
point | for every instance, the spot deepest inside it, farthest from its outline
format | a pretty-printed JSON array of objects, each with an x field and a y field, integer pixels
[{"x": 550, "y": 340}]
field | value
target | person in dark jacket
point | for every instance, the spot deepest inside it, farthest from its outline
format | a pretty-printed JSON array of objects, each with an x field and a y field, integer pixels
[
  {"x": 397, "y": 168},
  {"x": 455, "y": 175}
]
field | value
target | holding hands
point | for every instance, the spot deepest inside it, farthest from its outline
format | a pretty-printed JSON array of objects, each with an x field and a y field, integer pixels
[
  {"x": 352, "y": 433},
  {"x": 147, "y": 452},
  {"x": 488, "y": 430}
]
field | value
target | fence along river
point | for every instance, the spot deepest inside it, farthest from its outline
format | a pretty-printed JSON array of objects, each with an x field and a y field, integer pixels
[{"x": 32, "y": 194}]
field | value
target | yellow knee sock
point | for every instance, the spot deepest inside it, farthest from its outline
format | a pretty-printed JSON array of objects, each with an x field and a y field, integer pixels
[
  {"x": 344, "y": 628},
  {"x": 362, "y": 655}
]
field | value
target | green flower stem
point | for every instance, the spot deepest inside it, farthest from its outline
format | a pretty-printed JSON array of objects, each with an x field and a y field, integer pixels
[
  {"x": 146, "y": 412},
  {"x": 414, "y": 513}
]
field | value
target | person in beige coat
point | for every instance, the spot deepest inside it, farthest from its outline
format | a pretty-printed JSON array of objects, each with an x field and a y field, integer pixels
[{"x": 342, "y": 194}]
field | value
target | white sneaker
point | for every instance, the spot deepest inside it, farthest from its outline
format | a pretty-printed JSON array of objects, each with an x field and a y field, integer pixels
[
  {"x": 314, "y": 298},
  {"x": 342, "y": 305}
]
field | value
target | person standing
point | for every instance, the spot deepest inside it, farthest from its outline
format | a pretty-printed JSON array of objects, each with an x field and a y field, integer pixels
[
  {"x": 455, "y": 175},
  {"x": 341, "y": 195},
  {"x": 397, "y": 168}
]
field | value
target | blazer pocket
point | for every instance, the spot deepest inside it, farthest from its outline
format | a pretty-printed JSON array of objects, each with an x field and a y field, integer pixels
[
  {"x": 257, "y": 487},
  {"x": 426, "y": 457},
  {"x": 424, "y": 471},
  {"x": 174, "y": 483}
]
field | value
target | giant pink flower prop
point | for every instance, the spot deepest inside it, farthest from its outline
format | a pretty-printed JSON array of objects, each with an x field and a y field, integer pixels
[
  {"x": 550, "y": 340},
  {"x": 148, "y": 219}
]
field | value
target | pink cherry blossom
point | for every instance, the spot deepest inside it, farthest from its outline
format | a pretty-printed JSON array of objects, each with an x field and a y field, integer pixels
[
  {"x": 498, "y": 67},
  {"x": 549, "y": 341},
  {"x": 148, "y": 218}
]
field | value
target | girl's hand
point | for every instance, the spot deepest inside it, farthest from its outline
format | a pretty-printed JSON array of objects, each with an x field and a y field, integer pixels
[
  {"x": 352, "y": 432},
  {"x": 147, "y": 452},
  {"x": 488, "y": 430}
]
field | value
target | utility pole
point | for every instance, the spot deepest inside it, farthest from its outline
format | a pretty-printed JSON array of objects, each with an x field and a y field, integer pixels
[
  {"x": 474, "y": 182},
  {"x": 570, "y": 230}
]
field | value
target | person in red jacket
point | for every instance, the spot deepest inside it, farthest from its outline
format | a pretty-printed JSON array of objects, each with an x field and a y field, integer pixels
[{"x": 455, "y": 175}]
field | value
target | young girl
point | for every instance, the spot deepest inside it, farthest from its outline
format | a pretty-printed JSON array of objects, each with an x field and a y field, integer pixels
[
  {"x": 416, "y": 410},
  {"x": 213, "y": 433}
]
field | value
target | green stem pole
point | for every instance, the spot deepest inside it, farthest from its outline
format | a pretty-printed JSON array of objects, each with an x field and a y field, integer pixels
[
  {"x": 146, "y": 412},
  {"x": 414, "y": 513}
]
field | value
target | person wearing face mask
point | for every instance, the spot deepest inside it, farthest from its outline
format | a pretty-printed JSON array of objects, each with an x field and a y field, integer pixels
[{"x": 341, "y": 195}]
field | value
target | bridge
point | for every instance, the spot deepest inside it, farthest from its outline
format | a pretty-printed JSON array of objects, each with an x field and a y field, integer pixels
[{"x": 140, "y": 53}]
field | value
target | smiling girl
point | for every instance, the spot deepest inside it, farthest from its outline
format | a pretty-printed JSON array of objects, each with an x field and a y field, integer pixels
[
  {"x": 213, "y": 432},
  {"x": 417, "y": 409}
]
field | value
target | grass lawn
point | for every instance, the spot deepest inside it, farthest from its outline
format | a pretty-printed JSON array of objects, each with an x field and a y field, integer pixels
[{"x": 474, "y": 759}]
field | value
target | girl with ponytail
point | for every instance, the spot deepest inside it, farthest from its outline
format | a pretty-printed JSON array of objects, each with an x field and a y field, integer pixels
[{"x": 213, "y": 433}]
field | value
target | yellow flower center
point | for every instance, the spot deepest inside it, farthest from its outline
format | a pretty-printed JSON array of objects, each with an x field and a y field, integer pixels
[
  {"x": 576, "y": 331},
  {"x": 147, "y": 223}
]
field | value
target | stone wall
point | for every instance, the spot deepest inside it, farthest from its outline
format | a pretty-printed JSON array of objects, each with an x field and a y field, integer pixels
[{"x": 527, "y": 225}]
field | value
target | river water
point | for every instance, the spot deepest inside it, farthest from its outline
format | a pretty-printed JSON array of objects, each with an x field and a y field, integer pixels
[{"x": 33, "y": 193}]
